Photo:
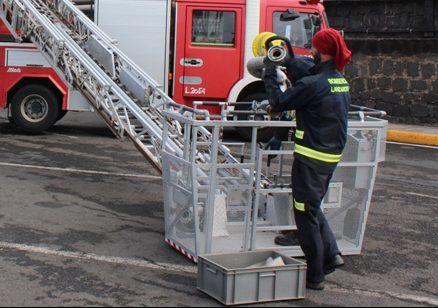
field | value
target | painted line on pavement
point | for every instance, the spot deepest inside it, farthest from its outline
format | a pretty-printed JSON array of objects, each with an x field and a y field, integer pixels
[
  {"x": 421, "y": 195},
  {"x": 380, "y": 294},
  {"x": 71, "y": 170},
  {"x": 99, "y": 258},
  {"x": 63, "y": 135},
  {"x": 412, "y": 137},
  {"x": 413, "y": 145}
]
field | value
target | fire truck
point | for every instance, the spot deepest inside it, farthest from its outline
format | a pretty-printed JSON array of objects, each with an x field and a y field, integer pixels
[{"x": 196, "y": 51}]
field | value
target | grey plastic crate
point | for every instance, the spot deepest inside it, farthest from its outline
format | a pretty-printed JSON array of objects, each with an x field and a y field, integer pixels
[{"x": 227, "y": 278}]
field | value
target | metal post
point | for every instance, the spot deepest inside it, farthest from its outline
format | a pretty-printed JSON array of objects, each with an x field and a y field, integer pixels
[
  {"x": 250, "y": 206},
  {"x": 195, "y": 188},
  {"x": 257, "y": 193},
  {"x": 209, "y": 210}
]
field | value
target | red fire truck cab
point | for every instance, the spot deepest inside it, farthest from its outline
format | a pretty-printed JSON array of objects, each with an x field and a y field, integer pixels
[{"x": 197, "y": 50}]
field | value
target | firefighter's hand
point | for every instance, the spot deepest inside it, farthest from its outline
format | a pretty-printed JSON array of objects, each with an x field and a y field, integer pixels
[{"x": 263, "y": 105}]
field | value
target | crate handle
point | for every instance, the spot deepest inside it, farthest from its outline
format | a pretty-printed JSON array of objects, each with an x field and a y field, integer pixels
[
  {"x": 211, "y": 270},
  {"x": 267, "y": 275}
]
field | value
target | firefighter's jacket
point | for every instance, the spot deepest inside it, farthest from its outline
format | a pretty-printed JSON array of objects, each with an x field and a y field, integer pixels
[{"x": 321, "y": 101}]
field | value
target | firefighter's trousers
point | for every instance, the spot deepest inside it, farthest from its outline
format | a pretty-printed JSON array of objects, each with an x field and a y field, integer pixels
[{"x": 315, "y": 236}]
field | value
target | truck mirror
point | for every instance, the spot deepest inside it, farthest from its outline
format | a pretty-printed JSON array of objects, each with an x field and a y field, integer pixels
[{"x": 289, "y": 15}]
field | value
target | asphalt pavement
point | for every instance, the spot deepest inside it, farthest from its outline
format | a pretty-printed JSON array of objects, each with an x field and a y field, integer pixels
[{"x": 82, "y": 224}]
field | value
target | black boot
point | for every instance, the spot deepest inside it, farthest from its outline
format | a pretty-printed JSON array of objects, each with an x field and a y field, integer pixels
[
  {"x": 288, "y": 239},
  {"x": 334, "y": 263},
  {"x": 318, "y": 286}
]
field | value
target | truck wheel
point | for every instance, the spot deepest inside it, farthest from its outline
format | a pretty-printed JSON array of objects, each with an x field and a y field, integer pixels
[
  {"x": 263, "y": 134},
  {"x": 35, "y": 108}
]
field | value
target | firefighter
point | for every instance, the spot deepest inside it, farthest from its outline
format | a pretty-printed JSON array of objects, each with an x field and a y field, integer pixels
[{"x": 321, "y": 101}]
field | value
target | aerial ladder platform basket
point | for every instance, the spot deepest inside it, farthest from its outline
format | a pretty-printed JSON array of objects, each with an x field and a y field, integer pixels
[{"x": 214, "y": 206}]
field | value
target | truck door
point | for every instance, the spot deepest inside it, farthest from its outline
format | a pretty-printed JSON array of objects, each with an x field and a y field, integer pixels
[{"x": 209, "y": 54}]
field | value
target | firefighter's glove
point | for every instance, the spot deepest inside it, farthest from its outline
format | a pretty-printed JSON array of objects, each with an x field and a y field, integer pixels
[
  {"x": 263, "y": 105},
  {"x": 274, "y": 145}
]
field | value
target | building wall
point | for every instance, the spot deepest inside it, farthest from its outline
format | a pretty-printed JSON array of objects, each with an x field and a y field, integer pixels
[{"x": 395, "y": 55}]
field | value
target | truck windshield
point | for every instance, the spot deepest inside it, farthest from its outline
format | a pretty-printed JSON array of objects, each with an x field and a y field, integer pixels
[{"x": 299, "y": 31}]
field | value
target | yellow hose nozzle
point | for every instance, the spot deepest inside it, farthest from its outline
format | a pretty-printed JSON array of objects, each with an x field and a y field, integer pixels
[{"x": 266, "y": 44}]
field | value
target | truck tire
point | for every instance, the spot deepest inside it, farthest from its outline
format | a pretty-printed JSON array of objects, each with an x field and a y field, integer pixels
[
  {"x": 35, "y": 108},
  {"x": 263, "y": 134}
]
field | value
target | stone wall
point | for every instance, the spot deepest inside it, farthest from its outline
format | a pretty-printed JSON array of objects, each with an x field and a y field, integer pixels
[{"x": 395, "y": 55}]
